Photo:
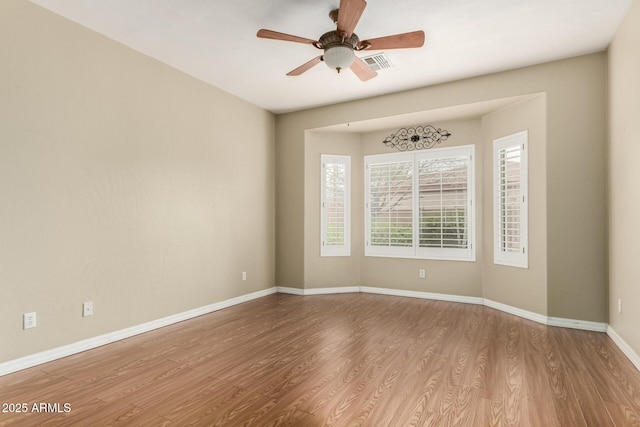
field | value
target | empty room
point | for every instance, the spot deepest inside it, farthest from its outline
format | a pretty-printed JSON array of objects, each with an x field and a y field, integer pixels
[{"x": 314, "y": 213}]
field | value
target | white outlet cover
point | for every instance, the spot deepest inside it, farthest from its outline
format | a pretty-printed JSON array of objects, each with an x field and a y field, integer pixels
[
  {"x": 29, "y": 320},
  {"x": 87, "y": 309}
]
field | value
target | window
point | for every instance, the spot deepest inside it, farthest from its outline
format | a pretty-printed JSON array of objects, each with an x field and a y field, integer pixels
[
  {"x": 419, "y": 205},
  {"x": 510, "y": 200},
  {"x": 335, "y": 206},
  {"x": 390, "y": 204}
]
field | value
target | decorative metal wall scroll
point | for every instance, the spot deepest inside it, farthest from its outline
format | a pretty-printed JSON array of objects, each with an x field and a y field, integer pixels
[{"x": 418, "y": 138}]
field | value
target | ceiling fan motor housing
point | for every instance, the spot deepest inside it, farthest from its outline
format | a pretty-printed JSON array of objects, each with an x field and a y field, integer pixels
[
  {"x": 333, "y": 38},
  {"x": 338, "y": 50}
]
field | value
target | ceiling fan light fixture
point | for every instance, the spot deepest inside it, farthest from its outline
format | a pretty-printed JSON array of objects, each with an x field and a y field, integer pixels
[
  {"x": 339, "y": 57},
  {"x": 340, "y": 45}
]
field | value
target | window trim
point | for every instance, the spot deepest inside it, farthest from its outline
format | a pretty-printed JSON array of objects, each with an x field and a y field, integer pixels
[
  {"x": 511, "y": 259},
  {"x": 415, "y": 251},
  {"x": 335, "y": 250}
]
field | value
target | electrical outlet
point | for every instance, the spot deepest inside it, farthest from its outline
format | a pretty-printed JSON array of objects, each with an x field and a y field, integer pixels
[
  {"x": 87, "y": 309},
  {"x": 619, "y": 306},
  {"x": 244, "y": 276},
  {"x": 29, "y": 320},
  {"x": 422, "y": 274}
]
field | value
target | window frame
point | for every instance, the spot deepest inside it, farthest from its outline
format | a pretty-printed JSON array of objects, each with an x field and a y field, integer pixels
[
  {"x": 345, "y": 248},
  {"x": 502, "y": 257},
  {"x": 415, "y": 251}
]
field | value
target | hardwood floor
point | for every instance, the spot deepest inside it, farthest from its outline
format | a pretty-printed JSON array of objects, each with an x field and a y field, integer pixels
[{"x": 343, "y": 360}]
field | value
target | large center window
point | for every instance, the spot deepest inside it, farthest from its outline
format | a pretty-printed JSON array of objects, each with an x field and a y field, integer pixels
[{"x": 420, "y": 205}]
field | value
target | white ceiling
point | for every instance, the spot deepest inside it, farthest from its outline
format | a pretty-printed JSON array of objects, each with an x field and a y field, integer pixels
[{"x": 216, "y": 41}]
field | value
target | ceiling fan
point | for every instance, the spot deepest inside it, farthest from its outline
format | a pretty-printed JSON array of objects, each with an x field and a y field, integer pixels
[{"x": 340, "y": 45}]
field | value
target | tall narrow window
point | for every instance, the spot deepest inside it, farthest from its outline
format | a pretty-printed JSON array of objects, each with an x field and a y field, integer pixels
[
  {"x": 510, "y": 200},
  {"x": 419, "y": 205},
  {"x": 335, "y": 206}
]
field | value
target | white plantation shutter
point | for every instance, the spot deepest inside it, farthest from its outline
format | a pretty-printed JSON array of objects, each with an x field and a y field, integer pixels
[
  {"x": 390, "y": 205},
  {"x": 419, "y": 205},
  {"x": 335, "y": 206},
  {"x": 510, "y": 200},
  {"x": 445, "y": 204}
]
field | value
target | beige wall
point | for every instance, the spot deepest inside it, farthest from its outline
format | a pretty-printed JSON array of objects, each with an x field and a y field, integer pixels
[
  {"x": 123, "y": 182},
  {"x": 290, "y": 206},
  {"x": 575, "y": 171},
  {"x": 624, "y": 155},
  {"x": 519, "y": 287},
  {"x": 334, "y": 271},
  {"x": 577, "y": 193}
]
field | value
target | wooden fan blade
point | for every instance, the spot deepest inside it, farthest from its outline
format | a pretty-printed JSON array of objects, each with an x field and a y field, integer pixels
[
  {"x": 268, "y": 34},
  {"x": 349, "y": 15},
  {"x": 397, "y": 41},
  {"x": 362, "y": 70},
  {"x": 306, "y": 66}
]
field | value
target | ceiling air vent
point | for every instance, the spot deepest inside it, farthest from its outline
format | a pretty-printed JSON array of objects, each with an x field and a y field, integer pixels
[{"x": 376, "y": 62}]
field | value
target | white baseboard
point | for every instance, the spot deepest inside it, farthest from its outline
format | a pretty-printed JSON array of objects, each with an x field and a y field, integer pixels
[
  {"x": 291, "y": 291},
  {"x": 327, "y": 291},
  {"x": 77, "y": 347},
  {"x": 318, "y": 291},
  {"x": 379, "y": 291},
  {"x": 577, "y": 324},
  {"x": 516, "y": 311},
  {"x": 545, "y": 320},
  {"x": 422, "y": 295},
  {"x": 624, "y": 347}
]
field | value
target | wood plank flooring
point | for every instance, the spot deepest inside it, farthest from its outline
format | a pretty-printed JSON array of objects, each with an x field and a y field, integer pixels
[{"x": 338, "y": 360}]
